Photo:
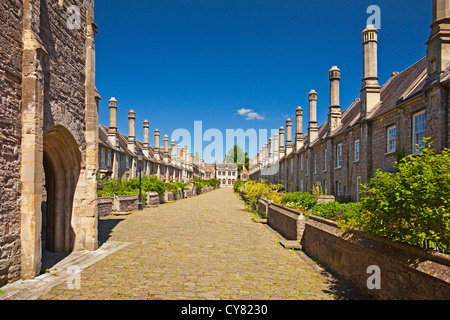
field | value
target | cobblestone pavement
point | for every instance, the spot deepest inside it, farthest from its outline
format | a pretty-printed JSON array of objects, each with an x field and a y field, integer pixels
[{"x": 205, "y": 247}]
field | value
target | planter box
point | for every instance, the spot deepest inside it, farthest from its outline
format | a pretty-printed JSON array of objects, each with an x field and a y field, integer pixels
[
  {"x": 168, "y": 196},
  {"x": 152, "y": 198},
  {"x": 104, "y": 206},
  {"x": 126, "y": 203},
  {"x": 406, "y": 272}
]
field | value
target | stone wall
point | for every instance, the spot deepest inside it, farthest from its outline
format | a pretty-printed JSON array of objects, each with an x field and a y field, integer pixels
[
  {"x": 407, "y": 272},
  {"x": 104, "y": 206},
  {"x": 284, "y": 220},
  {"x": 10, "y": 137},
  {"x": 152, "y": 198},
  {"x": 126, "y": 203}
]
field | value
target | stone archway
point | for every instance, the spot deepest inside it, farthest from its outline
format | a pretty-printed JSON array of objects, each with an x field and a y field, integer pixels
[{"x": 62, "y": 165}]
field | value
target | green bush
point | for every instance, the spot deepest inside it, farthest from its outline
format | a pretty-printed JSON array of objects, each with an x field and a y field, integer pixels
[
  {"x": 154, "y": 184},
  {"x": 254, "y": 191},
  {"x": 111, "y": 187},
  {"x": 299, "y": 201},
  {"x": 413, "y": 204},
  {"x": 340, "y": 212},
  {"x": 176, "y": 186},
  {"x": 238, "y": 184}
]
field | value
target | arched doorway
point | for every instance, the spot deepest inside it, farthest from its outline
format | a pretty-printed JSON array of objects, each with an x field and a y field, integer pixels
[{"x": 62, "y": 165}]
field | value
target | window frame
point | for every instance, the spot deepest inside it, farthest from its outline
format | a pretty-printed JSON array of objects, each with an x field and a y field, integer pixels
[
  {"x": 339, "y": 156},
  {"x": 356, "y": 155},
  {"x": 414, "y": 133},
  {"x": 339, "y": 188},
  {"x": 389, "y": 140}
]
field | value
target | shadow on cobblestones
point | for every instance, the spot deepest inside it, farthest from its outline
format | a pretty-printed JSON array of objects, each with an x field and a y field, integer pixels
[{"x": 105, "y": 227}]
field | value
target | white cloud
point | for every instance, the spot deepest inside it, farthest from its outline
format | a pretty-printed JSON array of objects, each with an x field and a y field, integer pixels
[
  {"x": 244, "y": 111},
  {"x": 250, "y": 114}
]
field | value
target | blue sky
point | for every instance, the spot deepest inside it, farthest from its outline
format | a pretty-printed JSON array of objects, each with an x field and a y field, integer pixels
[{"x": 175, "y": 62}]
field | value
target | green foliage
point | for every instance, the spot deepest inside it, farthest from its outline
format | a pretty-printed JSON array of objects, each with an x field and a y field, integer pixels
[
  {"x": 154, "y": 184},
  {"x": 237, "y": 155},
  {"x": 254, "y": 191},
  {"x": 176, "y": 186},
  {"x": 299, "y": 201},
  {"x": 238, "y": 184},
  {"x": 340, "y": 212},
  {"x": 411, "y": 205}
]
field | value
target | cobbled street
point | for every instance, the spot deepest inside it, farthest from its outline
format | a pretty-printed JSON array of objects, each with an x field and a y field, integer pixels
[{"x": 205, "y": 247}]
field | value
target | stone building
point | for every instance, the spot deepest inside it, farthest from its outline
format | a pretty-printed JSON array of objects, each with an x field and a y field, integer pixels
[
  {"x": 227, "y": 173},
  {"x": 118, "y": 153},
  {"x": 48, "y": 133},
  {"x": 384, "y": 123}
]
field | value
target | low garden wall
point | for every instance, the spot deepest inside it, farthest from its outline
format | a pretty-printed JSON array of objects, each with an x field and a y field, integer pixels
[
  {"x": 285, "y": 220},
  {"x": 104, "y": 206},
  {"x": 126, "y": 203},
  {"x": 152, "y": 198},
  {"x": 406, "y": 272}
]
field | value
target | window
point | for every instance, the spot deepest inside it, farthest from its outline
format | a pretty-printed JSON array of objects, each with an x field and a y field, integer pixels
[
  {"x": 307, "y": 166},
  {"x": 418, "y": 131},
  {"x": 356, "y": 151},
  {"x": 391, "y": 139},
  {"x": 358, "y": 188},
  {"x": 103, "y": 157},
  {"x": 338, "y": 155},
  {"x": 109, "y": 158},
  {"x": 339, "y": 188},
  {"x": 292, "y": 165},
  {"x": 325, "y": 187},
  {"x": 325, "y": 160},
  {"x": 301, "y": 186},
  {"x": 301, "y": 162},
  {"x": 315, "y": 164},
  {"x": 127, "y": 162}
]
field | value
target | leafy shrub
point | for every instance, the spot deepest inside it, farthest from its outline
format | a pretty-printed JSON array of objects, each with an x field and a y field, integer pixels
[
  {"x": 152, "y": 183},
  {"x": 238, "y": 184},
  {"x": 413, "y": 204},
  {"x": 299, "y": 201},
  {"x": 340, "y": 212},
  {"x": 256, "y": 190}
]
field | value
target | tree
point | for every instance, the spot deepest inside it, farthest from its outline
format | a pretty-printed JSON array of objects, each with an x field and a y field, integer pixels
[{"x": 238, "y": 156}]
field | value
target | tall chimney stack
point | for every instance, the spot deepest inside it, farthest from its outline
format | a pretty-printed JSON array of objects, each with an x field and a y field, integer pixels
[
  {"x": 270, "y": 151},
  {"x": 178, "y": 155},
  {"x": 156, "y": 148},
  {"x": 112, "y": 131},
  {"x": 299, "y": 128},
  {"x": 334, "y": 115},
  {"x": 371, "y": 90},
  {"x": 288, "y": 136},
  {"x": 166, "y": 148},
  {"x": 131, "y": 131},
  {"x": 313, "y": 128},
  {"x": 146, "y": 138},
  {"x": 282, "y": 151},
  {"x": 438, "y": 50}
]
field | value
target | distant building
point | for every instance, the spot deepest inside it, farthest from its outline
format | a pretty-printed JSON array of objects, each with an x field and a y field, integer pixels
[{"x": 227, "y": 173}]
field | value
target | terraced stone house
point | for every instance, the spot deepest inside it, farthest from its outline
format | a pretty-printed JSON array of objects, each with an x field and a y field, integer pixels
[{"x": 386, "y": 122}]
